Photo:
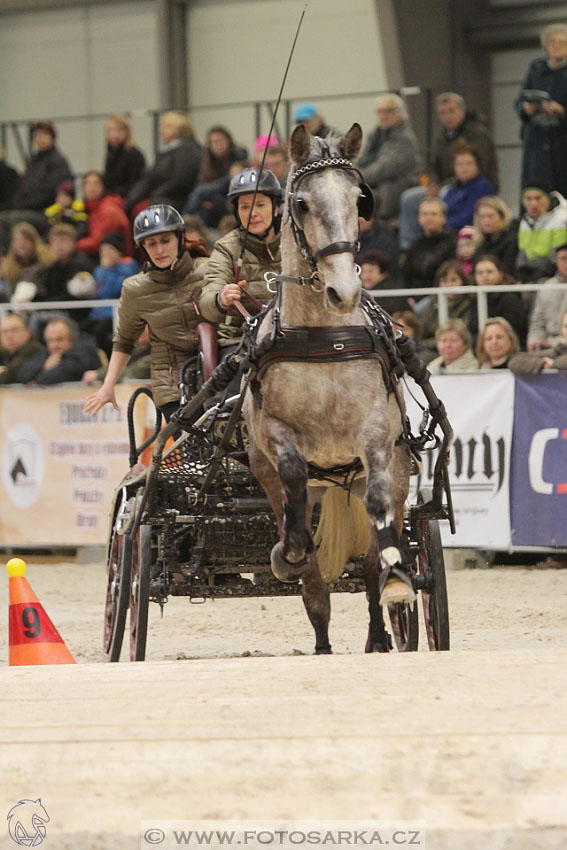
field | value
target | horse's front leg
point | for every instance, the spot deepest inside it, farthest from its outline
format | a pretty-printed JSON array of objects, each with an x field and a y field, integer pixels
[
  {"x": 289, "y": 556},
  {"x": 386, "y": 513}
]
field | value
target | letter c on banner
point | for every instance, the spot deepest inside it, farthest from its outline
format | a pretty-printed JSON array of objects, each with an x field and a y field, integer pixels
[{"x": 535, "y": 460}]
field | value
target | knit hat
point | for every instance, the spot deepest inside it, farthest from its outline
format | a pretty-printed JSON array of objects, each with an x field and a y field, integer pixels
[
  {"x": 538, "y": 186},
  {"x": 305, "y": 111},
  {"x": 47, "y": 126},
  {"x": 262, "y": 140},
  {"x": 115, "y": 239},
  {"x": 67, "y": 188},
  {"x": 466, "y": 232}
]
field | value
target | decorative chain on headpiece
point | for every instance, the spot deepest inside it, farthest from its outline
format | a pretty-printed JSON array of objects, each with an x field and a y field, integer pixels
[{"x": 335, "y": 162}]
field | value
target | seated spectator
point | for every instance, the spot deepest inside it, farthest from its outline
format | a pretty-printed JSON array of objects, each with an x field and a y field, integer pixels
[
  {"x": 67, "y": 209},
  {"x": 377, "y": 235},
  {"x": 109, "y": 276},
  {"x": 466, "y": 247},
  {"x": 375, "y": 276},
  {"x": 197, "y": 237},
  {"x": 175, "y": 172},
  {"x": 9, "y": 182},
  {"x": 554, "y": 357},
  {"x": 308, "y": 115},
  {"x": 549, "y": 306},
  {"x": 106, "y": 215},
  {"x": 277, "y": 161},
  {"x": 124, "y": 163},
  {"x": 390, "y": 159},
  {"x": 454, "y": 342},
  {"x": 488, "y": 271},
  {"x": 27, "y": 259},
  {"x": 542, "y": 106},
  {"x": 496, "y": 231},
  {"x": 410, "y": 325},
  {"x": 69, "y": 354},
  {"x": 16, "y": 347},
  {"x": 470, "y": 185},
  {"x": 219, "y": 153},
  {"x": 260, "y": 146},
  {"x": 226, "y": 224},
  {"x": 497, "y": 343},
  {"x": 543, "y": 227},
  {"x": 449, "y": 273},
  {"x": 434, "y": 247},
  {"x": 458, "y": 124},
  {"x": 208, "y": 200},
  {"x": 138, "y": 368},
  {"x": 46, "y": 169}
]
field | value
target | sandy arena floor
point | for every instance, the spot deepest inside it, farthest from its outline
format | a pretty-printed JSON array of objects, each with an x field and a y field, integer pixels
[{"x": 227, "y": 720}]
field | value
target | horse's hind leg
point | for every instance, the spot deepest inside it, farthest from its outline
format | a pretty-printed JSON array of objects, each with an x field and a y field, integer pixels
[
  {"x": 378, "y": 638},
  {"x": 316, "y": 599}
]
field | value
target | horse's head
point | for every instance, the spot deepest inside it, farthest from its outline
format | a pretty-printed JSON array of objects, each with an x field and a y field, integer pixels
[{"x": 325, "y": 196}]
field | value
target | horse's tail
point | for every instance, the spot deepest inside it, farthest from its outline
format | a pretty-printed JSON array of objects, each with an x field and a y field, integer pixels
[{"x": 343, "y": 532}]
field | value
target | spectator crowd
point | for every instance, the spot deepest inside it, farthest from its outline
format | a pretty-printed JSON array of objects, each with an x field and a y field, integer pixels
[{"x": 443, "y": 225}]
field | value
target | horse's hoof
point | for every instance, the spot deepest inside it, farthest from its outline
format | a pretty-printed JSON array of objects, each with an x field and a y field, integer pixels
[
  {"x": 323, "y": 650},
  {"x": 397, "y": 592},
  {"x": 283, "y": 569},
  {"x": 379, "y": 646}
]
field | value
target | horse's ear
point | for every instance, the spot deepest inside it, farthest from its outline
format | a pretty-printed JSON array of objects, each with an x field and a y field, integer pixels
[
  {"x": 351, "y": 144},
  {"x": 300, "y": 145}
]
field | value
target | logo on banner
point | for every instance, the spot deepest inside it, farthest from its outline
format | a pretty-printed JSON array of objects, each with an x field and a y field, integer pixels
[
  {"x": 478, "y": 464},
  {"x": 22, "y": 465},
  {"x": 539, "y": 443}
]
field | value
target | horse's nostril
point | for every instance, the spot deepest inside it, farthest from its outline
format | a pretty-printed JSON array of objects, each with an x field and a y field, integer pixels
[{"x": 333, "y": 296}]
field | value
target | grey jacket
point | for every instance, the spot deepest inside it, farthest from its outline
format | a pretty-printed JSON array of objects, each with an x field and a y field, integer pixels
[{"x": 389, "y": 163}]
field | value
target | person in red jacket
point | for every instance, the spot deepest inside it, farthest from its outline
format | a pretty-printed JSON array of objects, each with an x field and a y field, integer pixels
[{"x": 106, "y": 215}]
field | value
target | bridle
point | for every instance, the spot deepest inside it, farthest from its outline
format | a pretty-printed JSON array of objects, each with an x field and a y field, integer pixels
[{"x": 365, "y": 209}]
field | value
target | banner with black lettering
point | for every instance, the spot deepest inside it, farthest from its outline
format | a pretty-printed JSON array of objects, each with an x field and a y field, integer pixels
[
  {"x": 539, "y": 473},
  {"x": 480, "y": 406}
]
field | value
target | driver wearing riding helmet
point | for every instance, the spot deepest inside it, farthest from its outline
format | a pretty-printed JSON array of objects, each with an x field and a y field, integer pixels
[
  {"x": 261, "y": 253},
  {"x": 162, "y": 296}
]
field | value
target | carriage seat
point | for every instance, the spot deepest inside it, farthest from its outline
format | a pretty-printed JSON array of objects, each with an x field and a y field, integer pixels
[{"x": 209, "y": 348}]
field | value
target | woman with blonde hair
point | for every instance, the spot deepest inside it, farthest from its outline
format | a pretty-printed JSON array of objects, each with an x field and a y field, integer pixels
[
  {"x": 176, "y": 170},
  {"x": 27, "y": 259},
  {"x": 124, "y": 163},
  {"x": 496, "y": 231},
  {"x": 497, "y": 343}
]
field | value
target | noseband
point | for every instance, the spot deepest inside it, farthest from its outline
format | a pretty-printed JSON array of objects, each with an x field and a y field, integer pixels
[{"x": 295, "y": 211}]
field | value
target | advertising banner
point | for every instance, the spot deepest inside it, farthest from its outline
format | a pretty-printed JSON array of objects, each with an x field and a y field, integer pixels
[
  {"x": 59, "y": 466},
  {"x": 539, "y": 473},
  {"x": 480, "y": 407}
]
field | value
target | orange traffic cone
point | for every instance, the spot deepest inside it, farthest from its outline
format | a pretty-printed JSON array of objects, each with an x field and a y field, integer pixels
[{"x": 33, "y": 637}]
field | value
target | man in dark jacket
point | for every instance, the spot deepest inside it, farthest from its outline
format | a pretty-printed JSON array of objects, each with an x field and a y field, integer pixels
[
  {"x": 435, "y": 246},
  {"x": 16, "y": 347},
  {"x": 46, "y": 170},
  {"x": 69, "y": 261},
  {"x": 68, "y": 356}
]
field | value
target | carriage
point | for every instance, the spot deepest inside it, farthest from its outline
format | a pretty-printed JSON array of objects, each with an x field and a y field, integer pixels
[{"x": 197, "y": 523}]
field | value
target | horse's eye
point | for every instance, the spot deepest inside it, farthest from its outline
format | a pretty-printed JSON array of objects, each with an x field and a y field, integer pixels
[{"x": 302, "y": 205}]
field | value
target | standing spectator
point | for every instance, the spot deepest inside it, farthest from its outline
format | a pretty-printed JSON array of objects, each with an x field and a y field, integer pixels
[
  {"x": 175, "y": 172},
  {"x": 219, "y": 153},
  {"x": 124, "y": 163},
  {"x": 16, "y": 347},
  {"x": 469, "y": 186},
  {"x": 69, "y": 354},
  {"x": 542, "y": 105},
  {"x": 109, "y": 276},
  {"x": 106, "y": 215},
  {"x": 454, "y": 341},
  {"x": 436, "y": 245},
  {"x": 496, "y": 231},
  {"x": 377, "y": 235},
  {"x": 497, "y": 344},
  {"x": 554, "y": 357},
  {"x": 390, "y": 159},
  {"x": 458, "y": 124},
  {"x": 221, "y": 156},
  {"x": 308, "y": 115},
  {"x": 449, "y": 273},
  {"x": 375, "y": 276},
  {"x": 550, "y": 305},
  {"x": 543, "y": 227},
  {"x": 46, "y": 169},
  {"x": 27, "y": 259},
  {"x": 9, "y": 182},
  {"x": 67, "y": 209},
  {"x": 488, "y": 271}
]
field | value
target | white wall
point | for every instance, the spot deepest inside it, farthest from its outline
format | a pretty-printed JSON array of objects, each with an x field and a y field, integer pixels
[
  {"x": 77, "y": 61},
  {"x": 238, "y": 51}
]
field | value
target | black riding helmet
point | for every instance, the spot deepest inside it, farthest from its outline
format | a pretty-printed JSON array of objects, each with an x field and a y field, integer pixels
[
  {"x": 159, "y": 218},
  {"x": 245, "y": 182}
]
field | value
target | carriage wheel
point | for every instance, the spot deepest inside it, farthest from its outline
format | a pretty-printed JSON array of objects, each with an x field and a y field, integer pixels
[
  {"x": 117, "y": 595},
  {"x": 431, "y": 565},
  {"x": 140, "y": 592},
  {"x": 405, "y": 626}
]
